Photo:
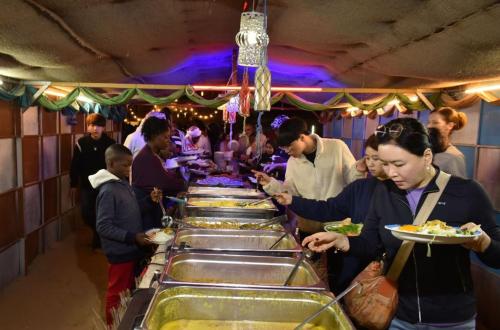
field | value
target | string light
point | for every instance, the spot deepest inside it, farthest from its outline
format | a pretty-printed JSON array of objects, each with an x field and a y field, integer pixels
[{"x": 200, "y": 93}]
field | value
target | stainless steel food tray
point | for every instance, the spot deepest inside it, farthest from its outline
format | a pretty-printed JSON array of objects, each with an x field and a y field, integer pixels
[
  {"x": 227, "y": 223},
  {"x": 235, "y": 241},
  {"x": 239, "y": 271},
  {"x": 220, "y": 192},
  {"x": 190, "y": 307},
  {"x": 266, "y": 211}
]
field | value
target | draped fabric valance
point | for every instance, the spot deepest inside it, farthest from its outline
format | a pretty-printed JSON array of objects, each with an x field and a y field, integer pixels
[{"x": 106, "y": 105}]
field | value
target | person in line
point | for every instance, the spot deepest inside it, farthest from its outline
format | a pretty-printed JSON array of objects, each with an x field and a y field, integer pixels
[
  {"x": 88, "y": 158},
  {"x": 148, "y": 170},
  {"x": 318, "y": 168},
  {"x": 196, "y": 141},
  {"x": 353, "y": 202},
  {"x": 119, "y": 224},
  {"x": 447, "y": 120},
  {"x": 249, "y": 138},
  {"x": 448, "y": 162},
  {"x": 135, "y": 141},
  {"x": 436, "y": 290}
]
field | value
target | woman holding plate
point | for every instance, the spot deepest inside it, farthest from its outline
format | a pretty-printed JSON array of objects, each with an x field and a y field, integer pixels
[{"x": 435, "y": 291}]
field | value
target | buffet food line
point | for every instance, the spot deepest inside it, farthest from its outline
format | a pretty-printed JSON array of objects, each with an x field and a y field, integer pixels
[{"x": 228, "y": 263}]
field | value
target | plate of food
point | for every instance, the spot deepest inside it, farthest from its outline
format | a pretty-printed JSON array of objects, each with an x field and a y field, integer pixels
[
  {"x": 344, "y": 227},
  {"x": 434, "y": 232},
  {"x": 160, "y": 236}
]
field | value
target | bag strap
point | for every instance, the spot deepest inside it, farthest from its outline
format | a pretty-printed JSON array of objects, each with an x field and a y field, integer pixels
[{"x": 425, "y": 211}]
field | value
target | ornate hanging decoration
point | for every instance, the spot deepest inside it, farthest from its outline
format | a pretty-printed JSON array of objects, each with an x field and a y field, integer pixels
[
  {"x": 262, "y": 100},
  {"x": 244, "y": 109},
  {"x": 251, "y": 38}
]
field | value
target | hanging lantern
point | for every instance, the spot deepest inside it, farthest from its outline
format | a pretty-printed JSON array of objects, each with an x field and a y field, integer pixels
[
  {"x": 262, "y": 100},
  {"x": 251, "y": 39},
  {"x": 244, "y": 109},
  {"x": 233, "y": 105}
]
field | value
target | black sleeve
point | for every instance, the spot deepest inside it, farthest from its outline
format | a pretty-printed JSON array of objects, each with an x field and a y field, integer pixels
[
  {"x": 334, "y": 208},
  {"x": 75, "y": 168},
  {"x": 367, "y": 244},
  {"x": 483, "y": 213}
]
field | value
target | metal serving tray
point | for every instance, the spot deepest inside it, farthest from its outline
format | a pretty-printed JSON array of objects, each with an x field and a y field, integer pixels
[
  {"x": 266, "y": 210},
  {"x": 219, "y": 192},
  {"x": 235, "y": 241},
  {"x": 239, "y": 270},
  {"x": 195, "y": 308},
  {"x": 227, "y": 223}
]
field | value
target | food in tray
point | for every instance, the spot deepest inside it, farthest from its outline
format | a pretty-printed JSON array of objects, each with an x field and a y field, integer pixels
[
  {"x": 227, "y": 204},
  {"x": 233, "y": 324},
  {"x": 220, "y": 181},
  {"x": 438, "y": 228},
  {"x": 344, "y": 227},
  {"x": 228, "y": 224}
]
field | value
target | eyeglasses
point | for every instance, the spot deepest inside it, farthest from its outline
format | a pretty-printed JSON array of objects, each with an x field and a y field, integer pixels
[{"x": 393, "y": 131}]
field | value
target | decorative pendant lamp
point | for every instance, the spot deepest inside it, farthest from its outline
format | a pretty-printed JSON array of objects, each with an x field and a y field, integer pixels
[
  {"x": 262, "y": 96},
  {"x": 251, "y": 39}
]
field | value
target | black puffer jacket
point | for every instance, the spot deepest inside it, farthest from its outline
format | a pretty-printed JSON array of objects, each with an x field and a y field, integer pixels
[{"x": 435, "y": 289}]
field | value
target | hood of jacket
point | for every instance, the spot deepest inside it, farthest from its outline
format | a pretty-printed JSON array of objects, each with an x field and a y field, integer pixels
[{"x": 101, "y": 177}]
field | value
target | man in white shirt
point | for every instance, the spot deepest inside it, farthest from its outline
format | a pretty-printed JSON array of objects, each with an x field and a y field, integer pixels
[
  {"x": 195, "y": 140},
  {"x": 318, "y": 168}
]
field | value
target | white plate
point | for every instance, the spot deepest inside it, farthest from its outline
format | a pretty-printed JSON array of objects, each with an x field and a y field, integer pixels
[
  {"x": 185, "y": 158},
  {"x": 159, "y": 240},
  {"x": 430, "y": 238}
]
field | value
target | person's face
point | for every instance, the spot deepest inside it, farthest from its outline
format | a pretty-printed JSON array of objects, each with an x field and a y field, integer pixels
[
  {"x": 162, "y": 141},
  {"x": 95, "y": 131},
  {"x": 268, "y": 149},
  {"x": 249, "y": 130},
  {"x": 296, "y": 148},
  {"x": 407, "y": 170},
  {"x": 373, "y": 163},
  {"x": 121, "y": 166},
  {"x": 437, "y": 121}
]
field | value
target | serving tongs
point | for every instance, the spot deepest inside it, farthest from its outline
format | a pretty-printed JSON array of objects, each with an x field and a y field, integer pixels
[
  {"x": 260, "y": 201},
  {"x": 326, "y": 306},
  {"x": 263, "y": 224}
]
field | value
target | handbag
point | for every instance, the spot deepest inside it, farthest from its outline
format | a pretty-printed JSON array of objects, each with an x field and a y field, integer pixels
[{"x": 373, "y": 303}]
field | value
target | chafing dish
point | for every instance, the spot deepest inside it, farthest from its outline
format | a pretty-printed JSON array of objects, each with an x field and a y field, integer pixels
[
  {"x": 219, "y": 192},
  {"x": 218, "y": 207},
  {"x": 227, "y": 223},
  {"x": 235, "y": 241},
  {"x": 238, "y": 270},
  {"x": 195, "y": 308}
]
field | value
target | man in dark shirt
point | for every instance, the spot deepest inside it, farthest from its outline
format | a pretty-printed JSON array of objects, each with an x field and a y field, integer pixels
[{"x": 88, "y": 158}]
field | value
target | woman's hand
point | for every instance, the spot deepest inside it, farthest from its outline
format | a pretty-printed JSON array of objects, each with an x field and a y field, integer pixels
[
  {"x": 262, "y": 178},
  {"x": 284, "y": 198},
  {"x": 480, "y": 243},
  {"x": 320, "y": 242}
]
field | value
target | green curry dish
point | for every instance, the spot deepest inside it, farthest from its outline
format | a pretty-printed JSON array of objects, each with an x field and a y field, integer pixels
[{"x": 352, "y": 229}]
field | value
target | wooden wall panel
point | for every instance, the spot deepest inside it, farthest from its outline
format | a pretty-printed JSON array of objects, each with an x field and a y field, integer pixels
[
  {"x": 31, "y": 159},
  {"x": 32, "y": 246},
  {"x": 9, "y": 222},
  {"x": 49, "y": 122},
  {"x": 50, "y": 198},
  {"x": 66, "y": 150},
  {"x": 31, "y": 121},
  {"x": 80, "y": 124},
  {"x": 7, "y": 115}
]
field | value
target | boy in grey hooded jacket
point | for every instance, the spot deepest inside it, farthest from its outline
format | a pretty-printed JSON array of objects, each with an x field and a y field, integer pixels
[{"x": 119, "y": 223}]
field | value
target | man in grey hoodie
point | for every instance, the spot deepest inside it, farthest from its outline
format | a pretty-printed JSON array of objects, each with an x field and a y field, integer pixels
[{"x": 119, "y": 223}]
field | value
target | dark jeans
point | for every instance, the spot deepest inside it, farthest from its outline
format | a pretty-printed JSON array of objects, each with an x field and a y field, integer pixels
[{"x": 88, "y": 207}]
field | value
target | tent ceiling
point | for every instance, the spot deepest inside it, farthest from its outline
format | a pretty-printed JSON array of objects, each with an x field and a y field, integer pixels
[{"x": 370, "y": 43}]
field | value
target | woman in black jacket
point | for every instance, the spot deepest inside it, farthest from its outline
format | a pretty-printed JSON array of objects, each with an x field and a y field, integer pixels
[{"x": 434, "y": 291}]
